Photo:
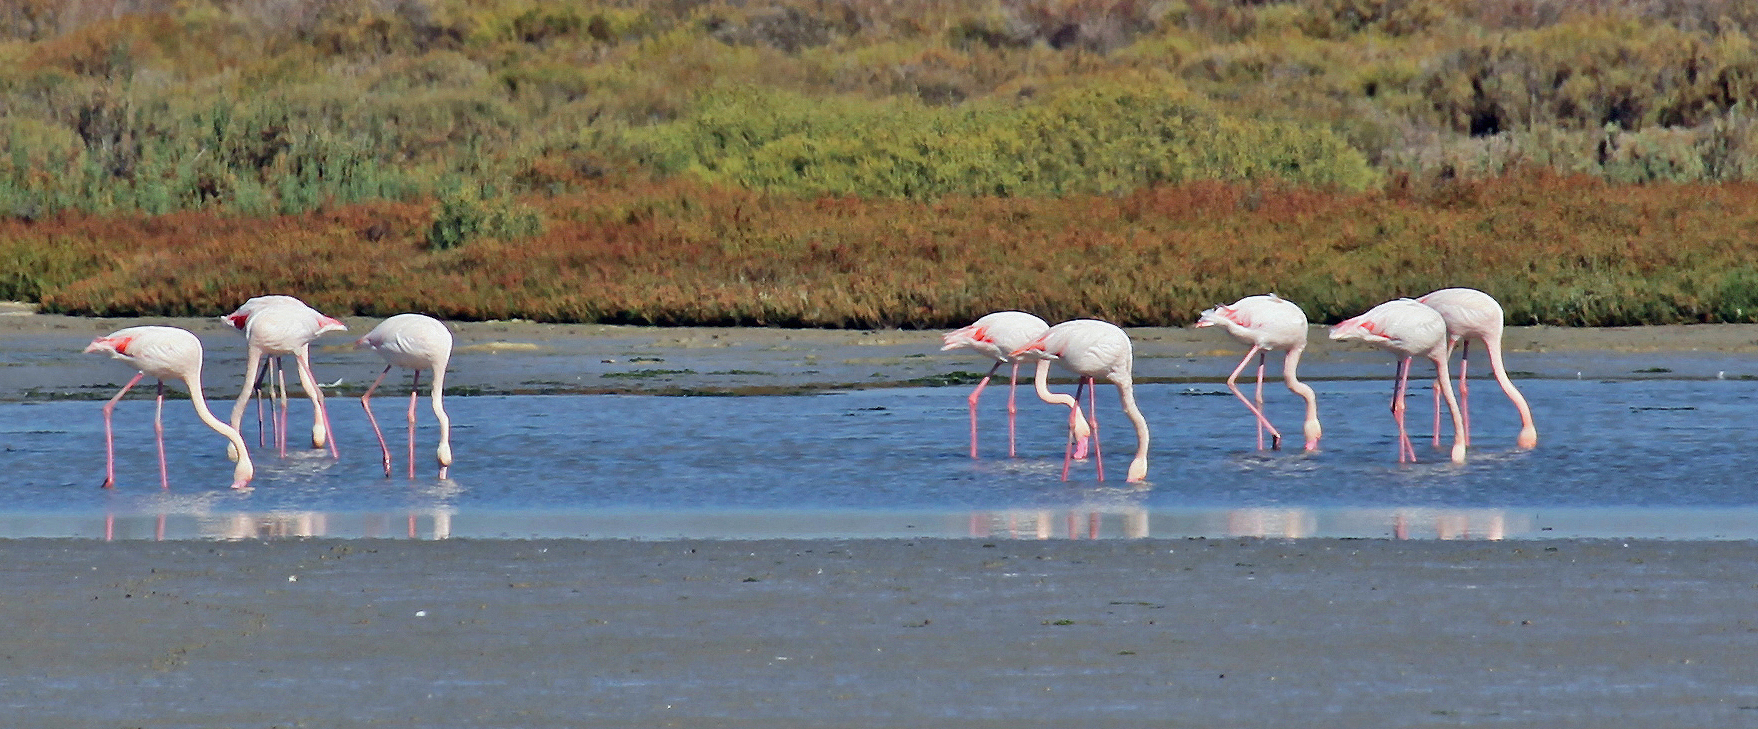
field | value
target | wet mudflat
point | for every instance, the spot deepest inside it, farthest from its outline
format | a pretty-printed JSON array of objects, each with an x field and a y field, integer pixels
[{"x": 879, "y": 633}]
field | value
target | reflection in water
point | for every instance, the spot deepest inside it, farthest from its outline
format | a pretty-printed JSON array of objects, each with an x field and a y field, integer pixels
[
  {"x": 1109, "y": 521},
  {"x": 1129, "y": 522},
  {"x": 424, "y": 524}
]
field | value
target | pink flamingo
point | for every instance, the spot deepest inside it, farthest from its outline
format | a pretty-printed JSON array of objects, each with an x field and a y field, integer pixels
[
  {"x": 418, "y": 343},
  {"x": 995, "y": 336},
  {"x": 1472, "y": 314},
  {"x": 167, "y": 353},
  {"x": 276, "y": 326},
  {"x": 1407, "y": 328},
  {"x": 270, "y": 366},
  {"x": 1091, "y": 349},
  {"x": 1268, "y": 323}
]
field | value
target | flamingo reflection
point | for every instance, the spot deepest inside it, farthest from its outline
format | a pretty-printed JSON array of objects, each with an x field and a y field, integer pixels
[{"x": 1129, "y": 522}]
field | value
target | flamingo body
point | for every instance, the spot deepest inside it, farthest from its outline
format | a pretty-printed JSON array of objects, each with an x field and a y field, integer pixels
[
  {"x": 1268, "y": 323},
  {"x": 1472, "y": 314},
  {"x": 413, "y": 342},
  {"x": 995, "y": 336},
  {"x": 165, "y": 353},
  {"x": 1408, "y": 329},
  {"x": 1092, "y": 349}
]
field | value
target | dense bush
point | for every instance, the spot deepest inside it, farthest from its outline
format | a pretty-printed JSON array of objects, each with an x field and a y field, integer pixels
[
  {"x": 278, "y": 106},
  {"x": 1567, "y": 251}
]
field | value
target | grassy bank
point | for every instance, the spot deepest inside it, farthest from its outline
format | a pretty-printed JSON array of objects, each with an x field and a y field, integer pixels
[{"x": 1554, "y": 250}]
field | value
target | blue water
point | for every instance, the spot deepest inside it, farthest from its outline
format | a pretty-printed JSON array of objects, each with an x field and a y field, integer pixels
[{"x": 1651, "y": 458}]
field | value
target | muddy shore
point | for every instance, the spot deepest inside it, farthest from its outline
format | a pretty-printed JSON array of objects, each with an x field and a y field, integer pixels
[{"x": 888, "y": 633}]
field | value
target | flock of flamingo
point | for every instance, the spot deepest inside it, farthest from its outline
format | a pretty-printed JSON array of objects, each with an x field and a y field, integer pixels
[
  {"x": 277, "y": 326},
  {"x": 274, "y": 327},
  {"x": 1429, "y": 326}
]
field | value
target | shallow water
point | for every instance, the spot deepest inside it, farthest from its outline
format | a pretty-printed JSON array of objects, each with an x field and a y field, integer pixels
[{"x": 1648, "y": 458}]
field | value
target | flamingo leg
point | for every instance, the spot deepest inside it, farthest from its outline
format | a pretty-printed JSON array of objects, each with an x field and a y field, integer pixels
[
  {"x": 109, "y": 441},
  {"x": 414, "y": 388},
  {"x": 1275, "y": 436},
  {"x": 975, "y": 394},
  {"x": 1256, "y": 410},
  {"x": 366, "y": 402},
  {"x": 281, "y": 413},
  {"x": 1012, "y": 410},
  {"x": 1093, "y": 421},
  {"x": 1464, "y": 395},
  {"x": 1406, "y": 452},
  {"x": 261, "y": 375},
  {"x": 159, "y": 435}
]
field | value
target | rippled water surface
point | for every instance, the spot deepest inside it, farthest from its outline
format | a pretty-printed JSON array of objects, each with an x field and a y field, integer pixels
[{"x": 1651, "y": 458}]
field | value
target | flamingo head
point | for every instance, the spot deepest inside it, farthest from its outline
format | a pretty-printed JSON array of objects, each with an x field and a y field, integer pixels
[
  {"x": 113, "y": 346},
  {"x": 964, "y": 337},
  {"x": 1360, "y": 329},
  {"x": 330, "y": 324},
  {"x": 1218, "y": 315}
]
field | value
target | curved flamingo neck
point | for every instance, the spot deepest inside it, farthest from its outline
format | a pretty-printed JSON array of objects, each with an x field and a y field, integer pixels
[
  {"x": 1528, "y": 434},
  {"x": 243, "y": 471},
  {"x": 1312, "y": 430},
  {"x": 444, "y": 454},
  {"x": 1138, "y": 468}
]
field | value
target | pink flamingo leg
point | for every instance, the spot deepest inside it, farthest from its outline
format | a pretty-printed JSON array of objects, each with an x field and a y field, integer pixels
[
  {"x": 1256, "y": 410},
  {"x": 1275, "y": 436},
  {"x": 1093, "y": 422},
  {"x": 260, "y": 376},
  {"x": 281, "y": 413},
  {"x": 159, "y": 435},
  {"x": 109, "y": 440},
  {"x": 414, "y": 387},
  {"x": 366, "y": 402},
  {"x": 975, "y": 394},
  {"x": 1464, "y": 395},
  {"x": 1012, "y": 410},
  {"x": 1406, "y": 451}
]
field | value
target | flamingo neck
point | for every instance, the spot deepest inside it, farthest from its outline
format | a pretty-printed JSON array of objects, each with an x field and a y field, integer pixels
[
  {"x": 243, "y": 471},
  {"x": 439, "y": 412},
  {"x": 1291, "y": 364},
  {"x": 1138, "y": 468}
]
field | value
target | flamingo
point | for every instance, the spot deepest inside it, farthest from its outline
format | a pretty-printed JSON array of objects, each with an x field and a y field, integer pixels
[
  {"x": 1091, "y": 349},
  {"x": 270, "y": 366},
  {"x": 995, "y": 336},
  {"x": 1268, "y": 323},
  {"x": 167, "y": 353},
  {"x": 277, "y": 326},
  {"x": 418, "y": 343},
  {"x": 1472, "y": 314},
  {"x": 1407, "y": 328}
]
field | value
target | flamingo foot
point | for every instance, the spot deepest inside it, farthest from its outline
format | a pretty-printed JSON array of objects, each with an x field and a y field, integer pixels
[
  {"x": 1275, "y": 441},
  {"x": 109, "y": 483}
]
